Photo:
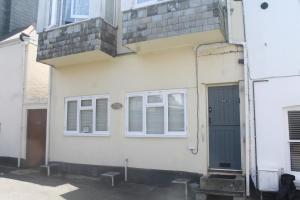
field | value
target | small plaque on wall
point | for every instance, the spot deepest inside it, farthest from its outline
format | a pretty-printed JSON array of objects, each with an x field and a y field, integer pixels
[{"x": 116, "y": 106}]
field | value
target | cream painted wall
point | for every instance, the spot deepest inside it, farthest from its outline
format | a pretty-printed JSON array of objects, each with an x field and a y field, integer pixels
[
  {"x": 237, "y": 21},
  {"x": 171, "y": 69},
  {"x": 37, "y": 78}
]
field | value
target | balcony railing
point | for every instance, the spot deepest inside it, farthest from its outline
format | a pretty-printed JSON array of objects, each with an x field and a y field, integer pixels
[
  {"x": 80, "y": 30},
  {"x": 82, "y": 41}
]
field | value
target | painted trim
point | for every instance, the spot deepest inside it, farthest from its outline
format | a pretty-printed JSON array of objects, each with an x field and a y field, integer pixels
[
  {"x": 167, "y": 133},
  {"x": 94, "y": 133}
]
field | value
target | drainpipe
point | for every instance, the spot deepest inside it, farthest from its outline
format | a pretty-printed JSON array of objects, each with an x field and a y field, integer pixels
[
  {"x": 25, "y": 40},
  {"x": 247, "y": 97},
  {"x": 48, "y": 120}
]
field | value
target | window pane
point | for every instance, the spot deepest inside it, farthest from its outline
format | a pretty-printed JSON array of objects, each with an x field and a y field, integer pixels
[
  {"x": 295, "y": 156},
  {"x": 66, "y": 12},
  {"x": 101, "y": 114},
  {"x": 81, "y": 7},
  {"x": 85, "y": 103},
  {"x": 155, "y": 120},
  {"x": 294, "y": 124},
  {"x": 86, "y": 121},
  {"x": 135, "y": 114},
  {"x": 176, "y": 112},
  {"x": 72, "y": 116},
  {"x": 109, "y": 11},
  {"x": 155, "y": 99}
]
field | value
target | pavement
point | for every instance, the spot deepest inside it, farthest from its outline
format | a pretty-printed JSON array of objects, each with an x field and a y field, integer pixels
[{"x": 29, "y": 184}]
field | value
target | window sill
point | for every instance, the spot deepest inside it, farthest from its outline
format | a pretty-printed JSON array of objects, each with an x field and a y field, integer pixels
[
  {"x": 87, "y": 134},
  {"x": 132, "y": 135},
  {"x": 135, "y": 7}
]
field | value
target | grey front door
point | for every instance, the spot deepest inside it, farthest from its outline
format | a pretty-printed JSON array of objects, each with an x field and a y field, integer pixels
[{"x": 224, "y": 128}]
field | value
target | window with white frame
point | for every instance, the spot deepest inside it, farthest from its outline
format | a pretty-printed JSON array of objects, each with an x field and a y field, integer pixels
[
  {"x": 80, "y": 9},
  {"x": 143, "y": 3},
  {"x": 69, "y": 11},
  {"x": 87, "y": 115},
  {"x": 161, "y": 113},
  {"x": 294, "y": 139}
]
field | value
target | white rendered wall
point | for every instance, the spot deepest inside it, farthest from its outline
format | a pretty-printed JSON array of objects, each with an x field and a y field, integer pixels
[
  {"x": 11, "y": 76},
  {"x": 273, "y": 38},
  {"x": 273, "y": 98},
  {"x": 273, "y": 47}
]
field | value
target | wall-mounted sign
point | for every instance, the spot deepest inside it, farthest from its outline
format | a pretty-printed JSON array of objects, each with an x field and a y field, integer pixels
[{"x": 116, "y": 106}]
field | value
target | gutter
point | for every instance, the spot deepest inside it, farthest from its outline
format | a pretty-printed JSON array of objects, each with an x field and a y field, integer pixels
[
  {"x": 48, "y": 120},
  {"x": 247, "y": 89},
  {"x": 24, "y": 62}
]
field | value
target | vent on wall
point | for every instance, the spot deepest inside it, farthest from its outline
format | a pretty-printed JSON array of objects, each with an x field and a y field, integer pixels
[{"x": 294, "y": 133}]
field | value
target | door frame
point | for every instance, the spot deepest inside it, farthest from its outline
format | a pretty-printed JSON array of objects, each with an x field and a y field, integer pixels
[{"x": 240, "y": 84}]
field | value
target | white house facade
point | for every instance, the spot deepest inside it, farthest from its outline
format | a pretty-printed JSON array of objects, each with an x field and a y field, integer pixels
[
  {"x": 24, "y": 94},
  {"x": 155, "y": 86},
  {"x": 273, "y": 49}
]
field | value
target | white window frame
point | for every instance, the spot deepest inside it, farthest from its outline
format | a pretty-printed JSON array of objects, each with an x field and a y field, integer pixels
[
  {"x": 52, "y": 24},
  {"x": 75, "y": 16},
  {"x": 149, "y": 3},
  {"x": 165, "y": 104},
  {"x": 80, "y": 108},
  {"x": 288, "y": 167}
]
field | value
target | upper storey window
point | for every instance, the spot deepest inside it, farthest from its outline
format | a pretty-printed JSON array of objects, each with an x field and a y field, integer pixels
[
  {"x": 80, "y": 9},
  {"x": 69, "y": 11}
]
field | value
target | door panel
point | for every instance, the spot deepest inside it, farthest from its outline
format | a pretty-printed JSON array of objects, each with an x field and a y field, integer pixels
[
  {"x": 36, "y": 137},
  {"x": 224, "y": 127}
]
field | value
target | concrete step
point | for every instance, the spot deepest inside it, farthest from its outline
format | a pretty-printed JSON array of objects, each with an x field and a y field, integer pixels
[
  {"x": 223, "y": 184},
  {"x": 184, "y": 182},
  {"x": 50, "y": 169},
  {"x": 195, "y": 193},
  {"x": 111, "y": 178}
]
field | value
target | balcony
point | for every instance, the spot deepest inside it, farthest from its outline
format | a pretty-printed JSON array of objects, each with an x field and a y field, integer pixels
[
  {"x": 88, "y": 40},
  {"x": 173, "y": 24},
  {"x": 75, "y": 31}
]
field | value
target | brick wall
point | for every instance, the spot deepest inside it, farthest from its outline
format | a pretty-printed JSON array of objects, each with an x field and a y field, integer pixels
[
  {"x": 170, "y": 19},
  {"x": 90, "y": 35}
]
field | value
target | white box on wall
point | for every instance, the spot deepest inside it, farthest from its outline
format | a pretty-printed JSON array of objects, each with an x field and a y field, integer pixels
[{"x": 269, "y": 180}]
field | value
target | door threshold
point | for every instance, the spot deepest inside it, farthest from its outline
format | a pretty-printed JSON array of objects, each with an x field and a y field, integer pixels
[{"x": 213, "y": 171}]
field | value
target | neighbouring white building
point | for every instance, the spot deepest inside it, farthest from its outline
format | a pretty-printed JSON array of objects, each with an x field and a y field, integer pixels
[
  {"x": 23, "y": 99},
  {"x": 272, "y": 31}
]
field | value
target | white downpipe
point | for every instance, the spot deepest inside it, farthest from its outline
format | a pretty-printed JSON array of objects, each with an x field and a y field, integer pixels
[
  {"x": 24, "y": 49},
  {"x": 247, "y": 98},
  {"x": 48, "y": 119}
]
